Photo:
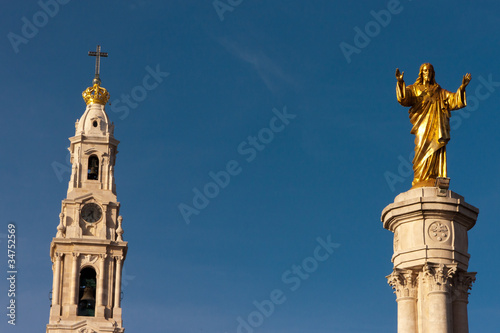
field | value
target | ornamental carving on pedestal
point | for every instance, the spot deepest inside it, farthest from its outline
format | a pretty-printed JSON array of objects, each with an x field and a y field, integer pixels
[
  {"x": 404, "y": 283},
  {"x": 439, "y": 232}
]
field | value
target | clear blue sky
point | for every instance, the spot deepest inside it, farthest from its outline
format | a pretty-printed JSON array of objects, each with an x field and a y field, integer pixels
[{"x": 320, "y": 173}]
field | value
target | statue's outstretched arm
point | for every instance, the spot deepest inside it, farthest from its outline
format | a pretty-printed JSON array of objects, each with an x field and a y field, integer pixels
[
  {"x": 458, "y": 100},
  {"x": 401, "y": 89},
  {"x": 465, "y": 81}
]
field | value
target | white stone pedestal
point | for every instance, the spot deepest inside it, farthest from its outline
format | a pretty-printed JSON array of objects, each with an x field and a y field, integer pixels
[{"x": 430, "y": 259}]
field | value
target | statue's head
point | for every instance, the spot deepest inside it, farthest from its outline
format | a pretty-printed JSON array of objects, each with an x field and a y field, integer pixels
[{"x": 426, "y": 74}]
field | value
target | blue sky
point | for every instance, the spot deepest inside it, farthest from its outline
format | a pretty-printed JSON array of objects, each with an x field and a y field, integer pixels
[{"x": 319, "y": 173}]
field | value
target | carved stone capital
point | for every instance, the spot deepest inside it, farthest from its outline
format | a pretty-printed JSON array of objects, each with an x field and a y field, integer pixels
[
  {"x": 118, "y": 258},
  {"x": 404, "y": 283},
  {"x": 462, "y": 283},
  {"x": 439, "y": 277}
]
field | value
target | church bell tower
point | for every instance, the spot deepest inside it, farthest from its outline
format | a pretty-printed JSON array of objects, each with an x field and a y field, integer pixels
[{"x": 88, "y": 250}]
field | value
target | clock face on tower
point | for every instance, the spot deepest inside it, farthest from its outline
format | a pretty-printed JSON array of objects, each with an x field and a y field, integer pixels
[{"x": 91, "y": 212}]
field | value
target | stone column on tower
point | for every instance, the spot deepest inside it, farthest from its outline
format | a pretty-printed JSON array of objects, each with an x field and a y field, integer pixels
[{"x": 431, "y": 259}]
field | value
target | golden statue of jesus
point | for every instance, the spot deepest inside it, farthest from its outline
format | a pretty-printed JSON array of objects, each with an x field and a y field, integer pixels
[{"x": 430, "y": 107}]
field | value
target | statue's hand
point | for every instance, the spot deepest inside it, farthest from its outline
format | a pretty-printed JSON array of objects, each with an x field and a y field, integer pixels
[
  {"x": 399, "y": 75},
  {"x": 466, "y": 80}
]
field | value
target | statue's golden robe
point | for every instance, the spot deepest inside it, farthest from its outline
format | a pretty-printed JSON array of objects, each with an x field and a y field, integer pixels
[{"x": 430, "y": 117}]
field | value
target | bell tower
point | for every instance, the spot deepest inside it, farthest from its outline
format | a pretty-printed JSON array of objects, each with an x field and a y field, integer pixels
[{"x": 88, "y": 250}]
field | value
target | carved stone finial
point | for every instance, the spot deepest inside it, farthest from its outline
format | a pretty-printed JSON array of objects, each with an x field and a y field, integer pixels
[
  {"x": 61, "y": 229},
  {"x": 119, "y": 230}
]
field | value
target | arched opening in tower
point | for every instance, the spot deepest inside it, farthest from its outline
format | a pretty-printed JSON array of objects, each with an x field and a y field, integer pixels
[
  {"x": 93, "y": 171},
  {"x": 86, "y": 298}
]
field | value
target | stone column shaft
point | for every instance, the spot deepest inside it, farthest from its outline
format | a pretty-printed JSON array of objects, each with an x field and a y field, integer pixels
[
  {"x": 111, "y": 283},
  {"x": 439, "y": 320},
  {"x": 407, "y": 314},
  {"x": 118, "y": 282},
  {"x": 460, "y": 320},
  {"x": 72, "y": 308},
  {"x": 74, "y": 278},
  {"x": 100, "y": 284},
  {"x": 57, "y": 280}
]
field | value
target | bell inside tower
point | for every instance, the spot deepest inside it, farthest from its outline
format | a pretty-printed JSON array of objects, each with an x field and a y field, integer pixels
[
  {"x": 93, "y": 170},
  {"x": 86, "y": 299}
]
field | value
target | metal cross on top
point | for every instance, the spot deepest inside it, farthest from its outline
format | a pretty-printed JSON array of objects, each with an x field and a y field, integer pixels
[{"x": 98, "y": 54}]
